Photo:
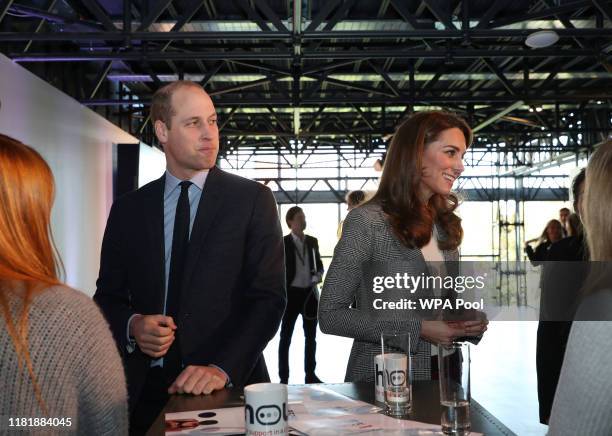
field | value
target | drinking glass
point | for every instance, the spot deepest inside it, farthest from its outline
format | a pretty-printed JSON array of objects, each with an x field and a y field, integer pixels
[
  {"x": 397, "y": 380},
  {"x": 454, "y": 376}
]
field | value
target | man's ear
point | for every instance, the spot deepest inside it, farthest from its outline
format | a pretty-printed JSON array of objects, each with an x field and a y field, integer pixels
[{"x": 161, "y": 131}]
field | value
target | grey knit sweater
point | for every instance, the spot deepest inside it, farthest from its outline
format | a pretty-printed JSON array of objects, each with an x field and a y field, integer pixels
[
  {"x": 582, "y": 404},
  {"x": 76, "y": 364}
]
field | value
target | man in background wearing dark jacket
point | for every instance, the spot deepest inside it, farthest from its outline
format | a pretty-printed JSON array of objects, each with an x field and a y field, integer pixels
[{"x": 304, "y": 270}]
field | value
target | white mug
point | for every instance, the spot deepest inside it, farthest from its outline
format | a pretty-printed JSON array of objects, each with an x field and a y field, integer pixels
[
  {"x": 396, "y": 373},
  {"x": 266, "y": 409}
]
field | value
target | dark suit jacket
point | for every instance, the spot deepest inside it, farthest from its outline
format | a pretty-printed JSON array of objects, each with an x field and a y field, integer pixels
[
  {"x": 312, "y": 250},
  {"x": 563, "y": 277},
  {"x": 233, "y": 293},
  {"x": 539, "y": 255}
]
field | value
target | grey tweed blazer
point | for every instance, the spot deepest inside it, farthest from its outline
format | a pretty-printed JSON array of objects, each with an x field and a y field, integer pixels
[{"x": 367, "y": 238}]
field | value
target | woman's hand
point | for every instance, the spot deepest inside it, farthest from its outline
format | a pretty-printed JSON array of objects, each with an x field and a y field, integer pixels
[
  {"x": 472, "y": 328},
  {"x": 442, "y": 332}
]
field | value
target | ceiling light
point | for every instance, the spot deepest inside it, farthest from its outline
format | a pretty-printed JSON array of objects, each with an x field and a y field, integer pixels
[
  {"x": 538, "y": 108},
  {"x": 541, "y": 39}
]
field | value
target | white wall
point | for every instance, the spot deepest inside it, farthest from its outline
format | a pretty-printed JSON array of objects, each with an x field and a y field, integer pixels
[{"x": 77, "y": 144}]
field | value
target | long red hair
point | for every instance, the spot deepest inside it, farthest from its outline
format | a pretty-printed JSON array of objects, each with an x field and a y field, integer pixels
[
  {"x": 398, "y": 192},
  {"x": 28, "y": 258}
]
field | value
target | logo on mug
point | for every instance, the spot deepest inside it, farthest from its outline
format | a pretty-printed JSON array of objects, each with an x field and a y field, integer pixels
[
  {"x": 397, "y": 378},
  {"x": 379, "y": 375},
  {"x": 268, "y": 414}
]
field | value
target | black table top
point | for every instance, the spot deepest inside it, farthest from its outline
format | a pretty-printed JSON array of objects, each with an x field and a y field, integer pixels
[{"x": 425, "y": 407}]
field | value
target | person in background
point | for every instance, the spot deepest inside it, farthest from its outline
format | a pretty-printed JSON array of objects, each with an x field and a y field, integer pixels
[
  {"x": 584, "y": 394},
  {"x": 564, "y": 214},
  {"x": 59, "y": 359},
  {"x": 192, "y": 276},
  {"x": 553, "y": 232},
  {"x": 563, "y": 275},
  {"x": 353, "y": 199},
  {"x": 411, "y": 220},
  {"x": 574, "y": 225},
  {"x": 304, "y": 270}
]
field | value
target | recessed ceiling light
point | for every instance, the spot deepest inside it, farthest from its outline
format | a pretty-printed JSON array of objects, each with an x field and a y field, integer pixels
[{"x": 542, "y": 38}]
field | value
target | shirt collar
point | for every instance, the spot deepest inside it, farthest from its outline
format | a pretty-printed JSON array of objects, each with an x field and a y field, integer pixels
[
  {"x": 296, "y": 238},
  {"x": 198, "y": 180}
]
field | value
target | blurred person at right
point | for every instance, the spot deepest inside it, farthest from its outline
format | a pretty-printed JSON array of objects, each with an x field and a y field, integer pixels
[
  {"x": 584, "y": 393},
  {"x": 563, "y": 275},
  {"x": 60, "y": 367}
]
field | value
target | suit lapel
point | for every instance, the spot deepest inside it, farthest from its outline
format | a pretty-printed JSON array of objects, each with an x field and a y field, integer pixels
[
  {"x": 155, "y": 229},
  {"x": 310, "y": 253},
  {"x": 210, "y": 201}
]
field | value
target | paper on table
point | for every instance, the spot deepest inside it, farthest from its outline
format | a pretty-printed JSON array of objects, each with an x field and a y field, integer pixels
[
  {"x": 371, "y": 424},
  {"x": 227, "y": 421},
  {"x": 321, "y": 412},
  {"x": 320, "y": 402}
]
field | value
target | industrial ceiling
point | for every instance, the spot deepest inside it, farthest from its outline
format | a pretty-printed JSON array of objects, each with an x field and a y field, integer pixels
[{"x": 300, "y": 75}]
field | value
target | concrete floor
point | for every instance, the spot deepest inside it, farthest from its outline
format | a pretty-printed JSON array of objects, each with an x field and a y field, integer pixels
[{"x": 503, "y": 370}]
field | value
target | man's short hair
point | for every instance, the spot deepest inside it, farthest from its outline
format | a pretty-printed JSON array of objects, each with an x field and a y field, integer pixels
[
  {"x": 161, "y": 104},
  {"x": 355, "y": 198},
  {"x": 291, "y": 213},
  {"x": 564, "y": 209}
]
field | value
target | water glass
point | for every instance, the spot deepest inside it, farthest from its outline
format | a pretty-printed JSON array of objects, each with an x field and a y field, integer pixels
[{"x": 454, "y": 375}]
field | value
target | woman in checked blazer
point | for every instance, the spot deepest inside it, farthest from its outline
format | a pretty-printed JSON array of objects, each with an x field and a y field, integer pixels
[{"x": 410, "y": 221}]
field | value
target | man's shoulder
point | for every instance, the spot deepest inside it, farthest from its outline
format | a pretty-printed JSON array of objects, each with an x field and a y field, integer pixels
[
  {"x": 234, "y": 181},
  {"x": 136, "y": 197},
  {"x": 312, "y": 239},
  {"x": 570, "y": 248}
]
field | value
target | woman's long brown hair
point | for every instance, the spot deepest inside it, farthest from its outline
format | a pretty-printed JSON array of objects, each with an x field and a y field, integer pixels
[
  {"x": 28, "y": 258},
  {"x": 398, "y": 193}
]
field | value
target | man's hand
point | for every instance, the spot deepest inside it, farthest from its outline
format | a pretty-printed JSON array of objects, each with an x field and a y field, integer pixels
[
  {"x": 441, "y": 332},
  {"x": 196, "y": 380},
  {"x": 153, "y": 333}
]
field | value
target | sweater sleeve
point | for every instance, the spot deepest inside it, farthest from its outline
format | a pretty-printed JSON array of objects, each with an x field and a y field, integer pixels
[
  {"x": 342, "y": 283},
  {"x": 102, "y": 387},
  {"x": 584, "y": 393}
]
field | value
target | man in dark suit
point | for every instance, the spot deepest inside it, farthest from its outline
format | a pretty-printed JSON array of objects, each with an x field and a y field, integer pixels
[
  {"x": 191, "y": 275},
  {"x": 304, "y": 271}
]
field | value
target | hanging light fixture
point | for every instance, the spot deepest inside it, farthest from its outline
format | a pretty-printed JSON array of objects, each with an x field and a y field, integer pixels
[{"x": 542, "y": 39}]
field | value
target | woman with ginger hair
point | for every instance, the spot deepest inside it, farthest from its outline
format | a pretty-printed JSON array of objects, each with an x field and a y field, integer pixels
[
  {"x": 60, "y": 366},
  {"x": 584, "y": 393},
  {"x": 411, "y": 220}
]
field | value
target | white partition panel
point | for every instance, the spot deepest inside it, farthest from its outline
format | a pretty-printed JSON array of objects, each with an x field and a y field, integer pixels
[{"x": 77, "y": 144}]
